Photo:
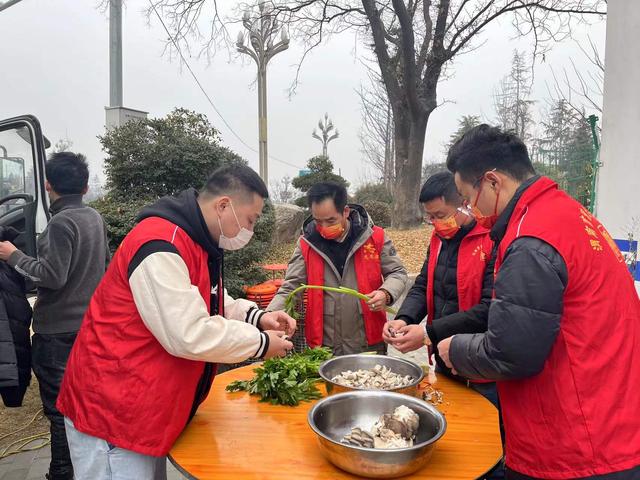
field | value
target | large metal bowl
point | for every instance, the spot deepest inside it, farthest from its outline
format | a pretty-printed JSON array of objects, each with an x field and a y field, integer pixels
[
  {"x": 334, "y": 417},
  {"x": 337, "y": 365}
]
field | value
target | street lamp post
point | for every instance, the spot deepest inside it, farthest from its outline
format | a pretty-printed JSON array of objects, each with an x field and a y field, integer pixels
[
  {"x": 326, "y": 132},
  {"x": 262, "y": 47}
]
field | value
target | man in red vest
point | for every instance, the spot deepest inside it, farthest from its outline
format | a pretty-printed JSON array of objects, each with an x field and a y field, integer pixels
[
  {"x": 340, "y": 246},
  {"x": 454, "y": 287},
  {"x": 160, "y": 319},
  {"x": 563, "y": 338}
]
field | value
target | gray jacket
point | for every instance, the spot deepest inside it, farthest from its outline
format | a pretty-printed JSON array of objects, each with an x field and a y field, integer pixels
[
  {"x": 73, "y": 254},
  {"x": 343, "y": 322}
]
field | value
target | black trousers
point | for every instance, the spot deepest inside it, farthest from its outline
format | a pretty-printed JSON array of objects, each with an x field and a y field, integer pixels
[{"x": 49, "y": 355}]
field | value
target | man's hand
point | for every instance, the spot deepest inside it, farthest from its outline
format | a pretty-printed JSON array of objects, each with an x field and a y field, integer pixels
[
  {"x": 408, "y": 338},
  {"x": 377, "y": 300},
  {"x": 443, "y": 351},
  {"x": 6, "y": 249},
  {"x": 279, "y": 346},
  {"x": 278, "y": 320},
  {"x": 390, "y": 329}
]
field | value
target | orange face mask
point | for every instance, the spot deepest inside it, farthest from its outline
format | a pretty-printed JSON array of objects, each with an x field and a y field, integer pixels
[
  {"x": 486, "y": 221},
  {"x": 447, "y": 227},
  {"x": 332, "y": 232}
]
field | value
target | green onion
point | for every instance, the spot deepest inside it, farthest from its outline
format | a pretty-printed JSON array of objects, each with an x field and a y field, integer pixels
[{"x": 290, "y": 301}]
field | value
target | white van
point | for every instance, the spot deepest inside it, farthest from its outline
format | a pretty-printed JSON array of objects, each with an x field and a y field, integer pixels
[{"x": 24, "y": 203}]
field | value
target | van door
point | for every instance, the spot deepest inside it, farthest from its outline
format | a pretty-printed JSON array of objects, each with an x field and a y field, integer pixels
[{"x": 24, "y": 204}]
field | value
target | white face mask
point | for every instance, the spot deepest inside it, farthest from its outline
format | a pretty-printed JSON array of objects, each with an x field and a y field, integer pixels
[{"x": 239, "y": 241}]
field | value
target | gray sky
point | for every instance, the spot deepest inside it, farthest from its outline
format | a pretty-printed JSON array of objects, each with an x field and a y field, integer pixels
[{"x": 54, "y": 61}]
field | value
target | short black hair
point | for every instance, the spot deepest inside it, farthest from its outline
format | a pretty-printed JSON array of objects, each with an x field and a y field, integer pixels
[
  {"x": 234, "y": 178},
  {"x": 323, "y": 190},
  {"x": 441, "y": 185},
  {"x": 484, "y": 148},
  {"x": 67, "y": 173}
]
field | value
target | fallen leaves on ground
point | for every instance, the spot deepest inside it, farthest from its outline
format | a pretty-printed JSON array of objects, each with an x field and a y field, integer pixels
[
  {"x": 280, "y": 253},
  {"x": 411, "y": 246}
]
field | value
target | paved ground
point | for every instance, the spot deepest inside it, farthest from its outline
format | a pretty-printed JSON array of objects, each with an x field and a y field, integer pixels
[{"x": 34, "y": 465}]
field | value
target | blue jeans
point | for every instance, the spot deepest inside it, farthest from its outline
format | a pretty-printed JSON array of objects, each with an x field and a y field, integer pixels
[{"x": 95, "y": 459}]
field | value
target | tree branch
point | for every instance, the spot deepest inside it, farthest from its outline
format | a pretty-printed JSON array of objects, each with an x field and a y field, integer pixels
[
  {"x": 428, "y": 35},
  {"x": 437, "y": 58},
  {"x": 477, "y": 23},
  {"x": 408, "y": 52},
  {"x": 389, "y": 76}
]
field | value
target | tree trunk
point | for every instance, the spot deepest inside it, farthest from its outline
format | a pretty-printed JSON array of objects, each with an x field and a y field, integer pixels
[
  {"x": 409, "y": 143},
  {"x": 388, "y": 151}
]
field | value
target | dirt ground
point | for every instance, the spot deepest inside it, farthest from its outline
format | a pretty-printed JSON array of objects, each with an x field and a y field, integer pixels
[
  {"x": 410, "y": 244},
  {"x": 12, "y": 419}
]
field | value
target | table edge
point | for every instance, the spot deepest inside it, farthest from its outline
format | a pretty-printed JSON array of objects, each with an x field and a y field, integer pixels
[
  {"x": 180, "y": 468},
  {"x": 190, "y": 476}
]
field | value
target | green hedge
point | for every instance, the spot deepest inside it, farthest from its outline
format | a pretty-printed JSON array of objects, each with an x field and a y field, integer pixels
[
  {"x": 379, "y": 212},
  {"x": 373, "y": 192},
  {"x": 241, "y": 267}
]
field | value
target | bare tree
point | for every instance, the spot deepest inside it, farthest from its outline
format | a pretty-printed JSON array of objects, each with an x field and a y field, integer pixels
[
  {"x": 63, "y": 145},
  {"x": 431, "y": 168},
  {"x": 376, "y": 133},
  {"x": 413, "y": 41},
  {"x": 283, "y": 191},
  {"x": 581, "y": 90},
  {"x": 511, "y": 98}
]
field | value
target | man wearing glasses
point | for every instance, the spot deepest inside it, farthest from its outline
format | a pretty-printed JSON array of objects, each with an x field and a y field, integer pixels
[
  {"x": 563, "y": 330},
  {"x": 454, "y": 287}
]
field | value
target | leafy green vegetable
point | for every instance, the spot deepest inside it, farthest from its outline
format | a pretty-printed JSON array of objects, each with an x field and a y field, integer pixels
[
  {"x": 290, "y": 301},
  {"x": 286, "y": 381}
]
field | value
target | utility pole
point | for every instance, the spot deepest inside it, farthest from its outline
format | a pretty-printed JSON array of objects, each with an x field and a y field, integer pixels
[
  {"x": 115, "y": 53},
  {"x": 262, "y": 47},
  {"x": 116, "y": 113},
  {"x": 325, "y": 128}
]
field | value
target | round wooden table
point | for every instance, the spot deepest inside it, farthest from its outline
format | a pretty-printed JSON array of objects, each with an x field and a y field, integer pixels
[{"x": 233, "y": 435}]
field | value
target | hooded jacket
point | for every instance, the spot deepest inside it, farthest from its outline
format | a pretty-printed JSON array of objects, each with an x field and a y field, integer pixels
[
  {"x": 343, "y": 325},
  {"x": 143, "y": 359}
]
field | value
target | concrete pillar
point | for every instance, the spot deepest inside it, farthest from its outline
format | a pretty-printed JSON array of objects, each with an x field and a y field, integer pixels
[{"x": 618, "y": 188}]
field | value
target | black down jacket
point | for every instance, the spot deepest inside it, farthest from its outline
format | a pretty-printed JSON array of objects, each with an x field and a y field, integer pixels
[{"x": 15, "y": 338}]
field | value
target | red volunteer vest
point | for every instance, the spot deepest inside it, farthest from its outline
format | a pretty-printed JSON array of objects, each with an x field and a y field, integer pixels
[
  {"x": 580, "y": 416},
  {"x": 369, "y": 275},
  {"x": 120, "y": 384},
  {"x": 473, "y": 255}
]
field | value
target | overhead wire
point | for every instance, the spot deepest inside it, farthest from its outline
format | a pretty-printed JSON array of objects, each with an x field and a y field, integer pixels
[{"x": 202, "y": 89}]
